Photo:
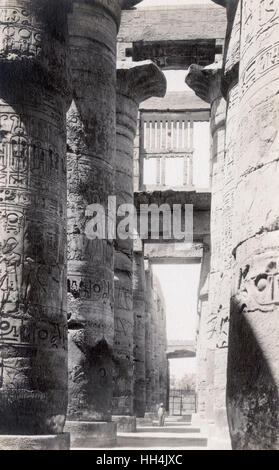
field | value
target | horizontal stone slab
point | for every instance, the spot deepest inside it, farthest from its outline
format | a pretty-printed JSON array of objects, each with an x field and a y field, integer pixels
[
  {"x": 47, "y": 442},
  {"x": 88, "y": 435},
  {"x": 125, "y": 423}
]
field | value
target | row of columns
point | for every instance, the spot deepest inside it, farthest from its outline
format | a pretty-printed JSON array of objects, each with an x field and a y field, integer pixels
[
  {"x": 243, "y": 300},
  {"x": 133, "y": 86},
  {"x": 61, "y": 289}
]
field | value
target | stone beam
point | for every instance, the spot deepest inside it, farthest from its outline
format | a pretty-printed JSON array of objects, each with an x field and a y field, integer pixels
[
  {"x": 172, "y": 253},
  {"x": 157, "y": 24},
  {"x": 175, "y": 54},
  {"x": 181, "y": 349},
  {"x": 33, "y": 327},
  {"x": 201, "y": 211}
]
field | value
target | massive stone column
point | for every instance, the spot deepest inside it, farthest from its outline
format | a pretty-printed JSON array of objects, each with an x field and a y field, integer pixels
[
  {"x": 253, "y": 365},
  {"x": 33, "y": 323},
  {"x": 139, "y": 293},
  {"x": 206, "y": 82},
  {"x": 91, "y": 153},
  {"x": 134, "y": 85}
]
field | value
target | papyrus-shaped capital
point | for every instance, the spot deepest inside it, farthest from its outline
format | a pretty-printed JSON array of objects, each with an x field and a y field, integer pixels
[
  {"x": 205, "y": 81},
  {"x": 141, "y": 82}
]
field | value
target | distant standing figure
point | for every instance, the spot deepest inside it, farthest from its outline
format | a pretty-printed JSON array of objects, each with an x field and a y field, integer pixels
[{"x": 161, "y": 414}]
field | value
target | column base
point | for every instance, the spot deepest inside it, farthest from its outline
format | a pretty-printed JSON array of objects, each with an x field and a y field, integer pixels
[
  {"x": 41, "y": 442},
  {"x": 91, "y": 435},
  {"x": 125, "y": 423}
]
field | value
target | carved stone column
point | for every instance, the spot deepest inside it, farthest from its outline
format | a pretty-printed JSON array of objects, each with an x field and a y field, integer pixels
[
  {"x": 253, "y": 365},
  {"x": 206, "y": 82},
  {"x": 139, "y": 293},
  {"x": 33, "y": 323},
  {"x": 91, "y": 153},
  {"x": 230, "y": 91},
  {"x": 134, "y": 85}
]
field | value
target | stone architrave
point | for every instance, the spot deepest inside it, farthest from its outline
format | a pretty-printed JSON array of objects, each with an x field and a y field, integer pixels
[
  {"x": 93, "y": 27},
  {"x": 253, "y": 364},
  {"x": 33, "y": 320},
  {"x": 134, "y": 85},
  {"x": 206, "y": 82}
]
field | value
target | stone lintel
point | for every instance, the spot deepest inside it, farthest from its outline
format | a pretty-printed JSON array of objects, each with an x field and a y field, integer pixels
[
  {"x": 205, "y": 81},
  {"x": 141, "y": 82},
  {"x": 175, "y": 54},
  {"x": 200, "y": 200},
  {"x": 173, "y": 252}
]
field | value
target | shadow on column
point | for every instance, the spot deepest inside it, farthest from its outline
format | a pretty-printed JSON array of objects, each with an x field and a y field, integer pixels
[{"x": 252, "y": 394}]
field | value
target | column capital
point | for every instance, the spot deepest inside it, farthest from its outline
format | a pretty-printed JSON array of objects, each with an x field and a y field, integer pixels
[
  {"x": 232, "y": 43},
  {"x": 205, "y": 81},
  {"x": 141, "y": 82},
  {"x": 129, "y": 3}
]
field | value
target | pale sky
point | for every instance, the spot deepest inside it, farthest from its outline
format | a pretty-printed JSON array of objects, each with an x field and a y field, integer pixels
[{"x": 179, "y": 284}]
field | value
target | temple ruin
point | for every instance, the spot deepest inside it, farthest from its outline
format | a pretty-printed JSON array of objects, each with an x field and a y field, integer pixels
[{"x": 86, "y": 120}]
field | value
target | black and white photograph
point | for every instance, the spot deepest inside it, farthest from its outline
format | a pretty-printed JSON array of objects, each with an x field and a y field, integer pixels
[{"x": 139, "y": 228}]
